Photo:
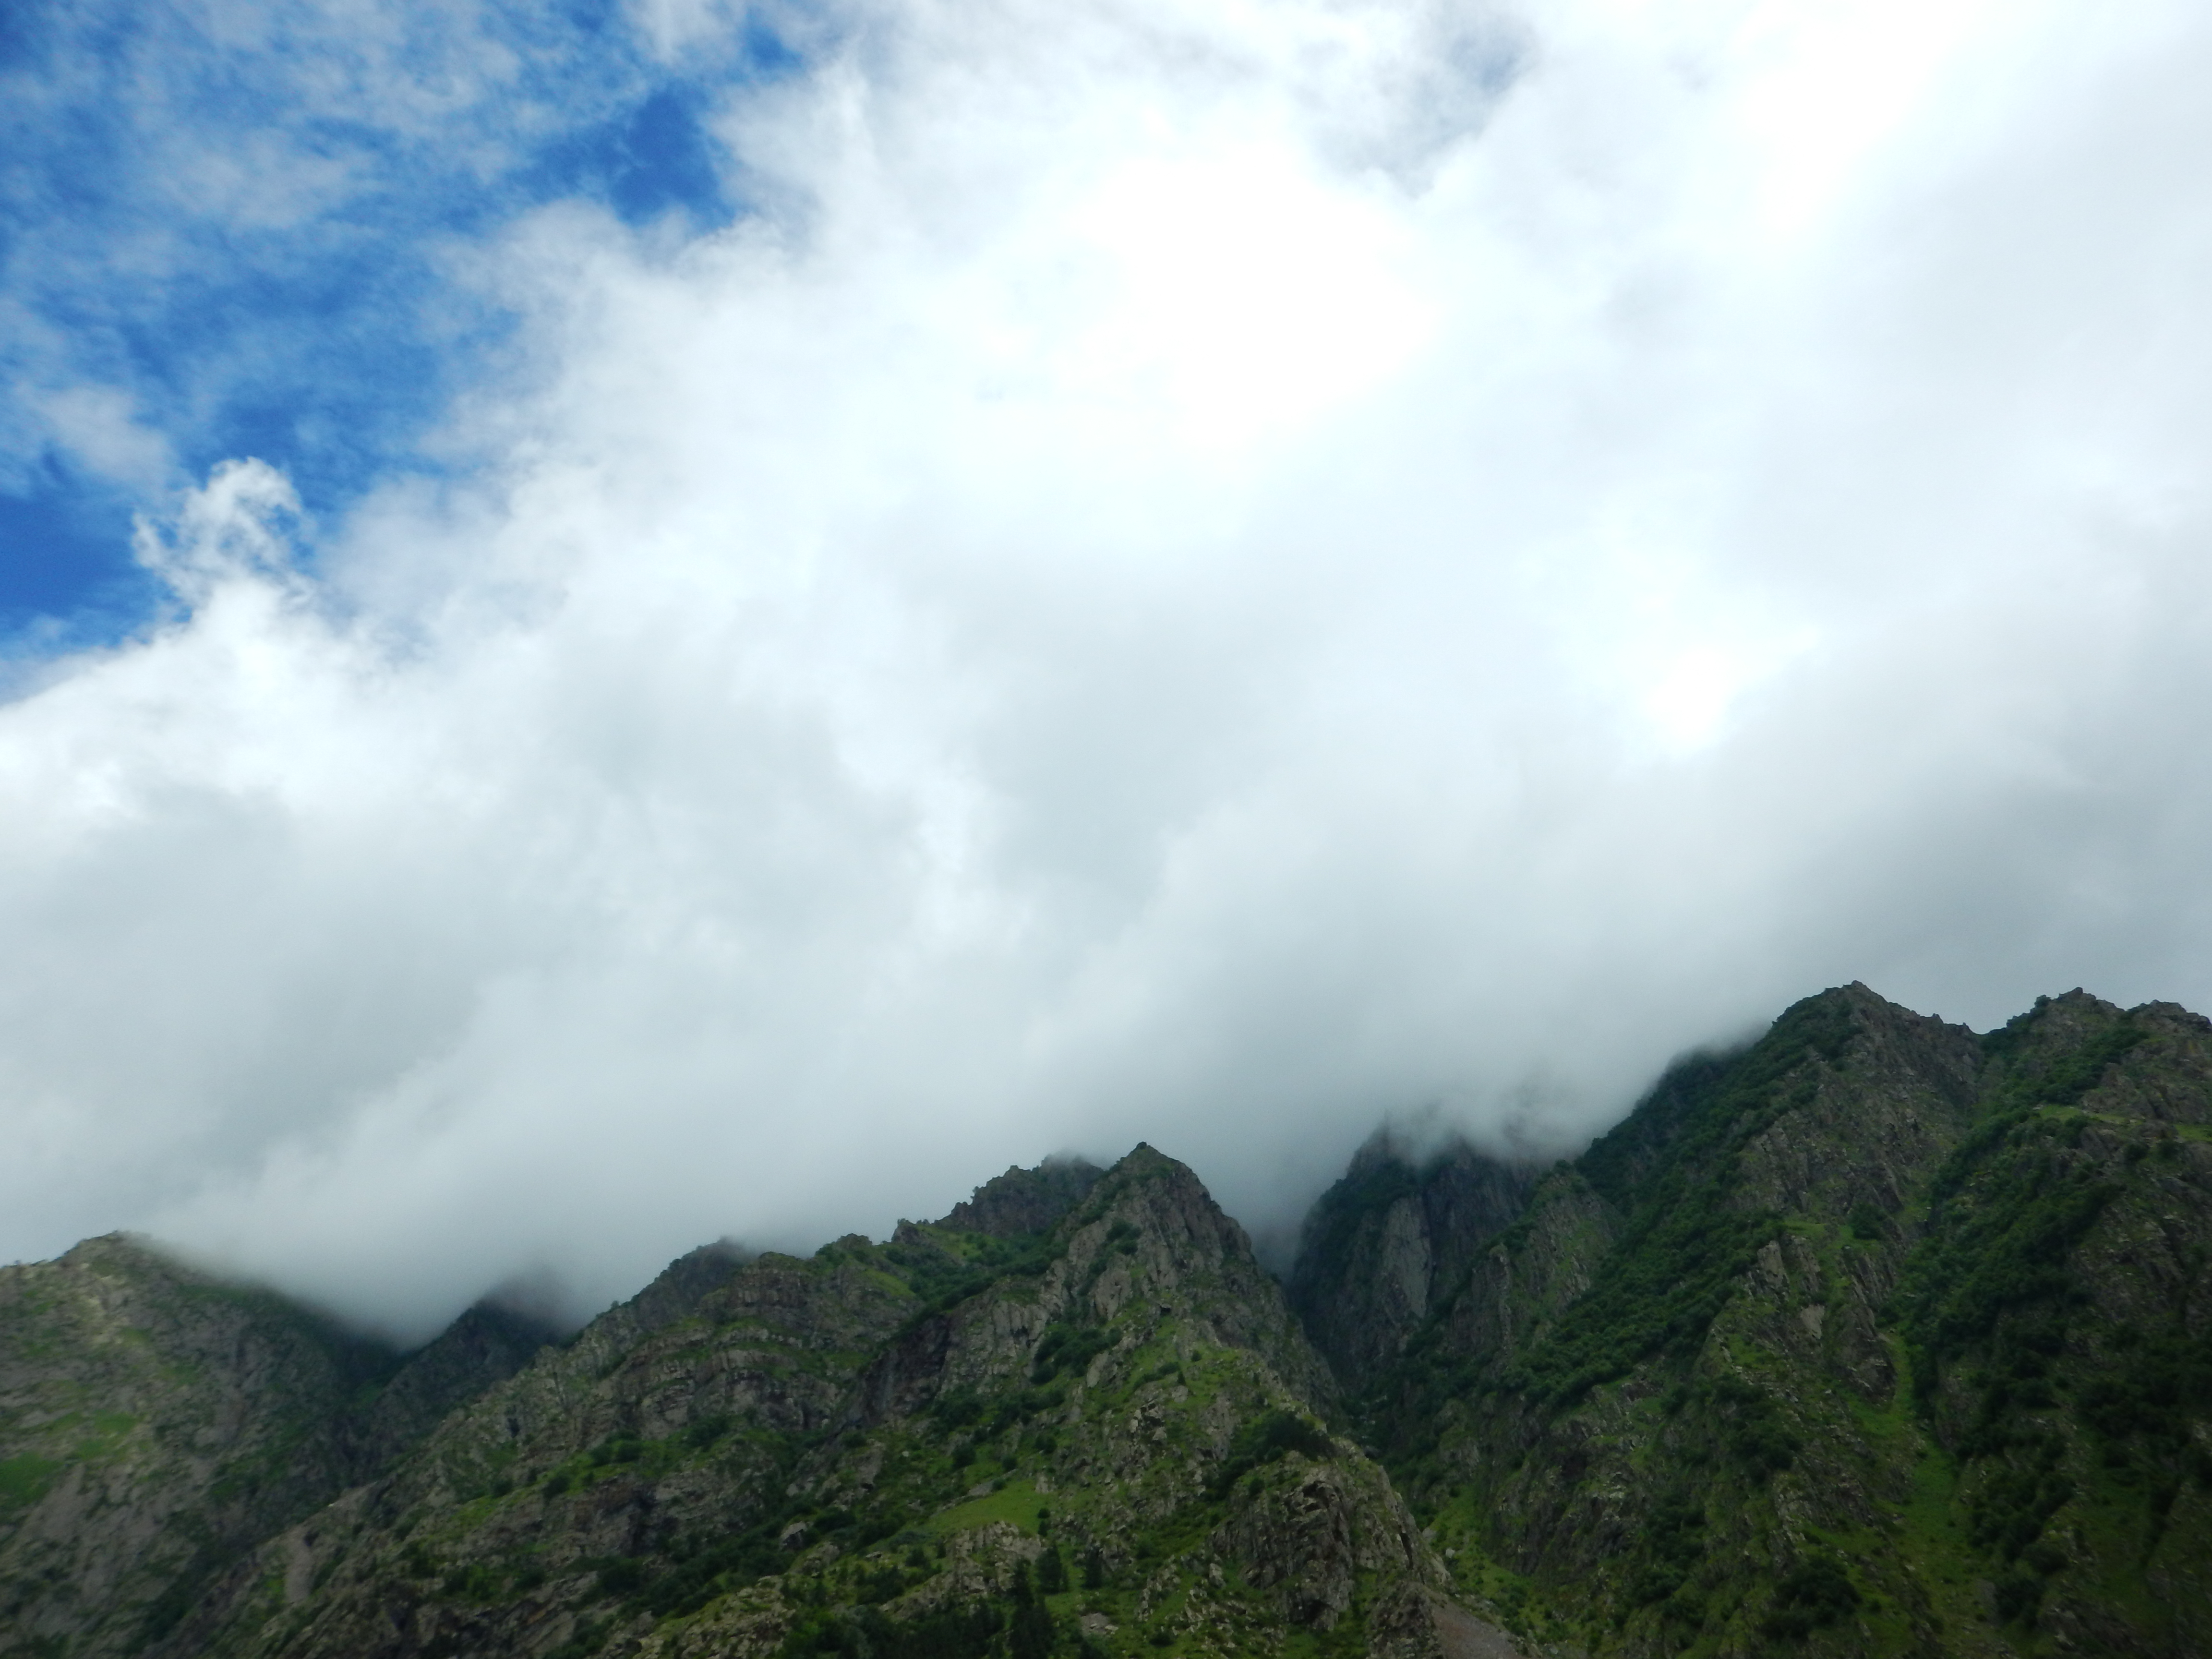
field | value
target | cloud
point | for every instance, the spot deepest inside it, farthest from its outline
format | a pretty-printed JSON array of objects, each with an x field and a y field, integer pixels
[
  {"x": 230, "y": 230},
  {"x": 1192, "y": 572}
]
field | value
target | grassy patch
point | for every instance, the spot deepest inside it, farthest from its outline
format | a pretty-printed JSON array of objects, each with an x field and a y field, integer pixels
[
  {"x": 25, "y": 1479},
  {"x": 1017, "y": 1504}
]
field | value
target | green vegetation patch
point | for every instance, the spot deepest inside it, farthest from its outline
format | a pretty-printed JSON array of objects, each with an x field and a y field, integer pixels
[
  {"x": 2073, "y": 1436},
  {"x": 1017, "y": 1503},
  {"x": 26, "y": 1479},
  {"x": 1069, "y": 1348},
  {"x": 952, "y": 1265},
  {"x": 2141, "y": 1409},
  {"x": 976, "y": 1631},
  {"x": 1815, "y": 1593},
  {"x": 2009, "y": 1207},
  {"x": 2061, "y": 1079},
  {"x": 1674, "y": 1543}
]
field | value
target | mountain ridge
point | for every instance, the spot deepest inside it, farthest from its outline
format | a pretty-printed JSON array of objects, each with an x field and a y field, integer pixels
[
  {"x": 1873, "y": 1336},
  {"x": 879, "y": 1448},
  {"x": 1808, "y": 1352}
]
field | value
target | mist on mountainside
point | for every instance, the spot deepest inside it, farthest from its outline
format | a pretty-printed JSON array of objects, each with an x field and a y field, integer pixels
[{"x": 1872, "y": 1336}]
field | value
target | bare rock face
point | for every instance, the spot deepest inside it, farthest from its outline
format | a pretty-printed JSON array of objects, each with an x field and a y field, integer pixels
[
  {"x": 486, "y": 1344},
  {"x": 1391, "y": 1240},
  {"x": 149, "y": 1417},
  {"x": 1307, "y": 1537}
]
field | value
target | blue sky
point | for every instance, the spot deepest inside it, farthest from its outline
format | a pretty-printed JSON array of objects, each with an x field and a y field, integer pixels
[{"x": 244, "y": 231}]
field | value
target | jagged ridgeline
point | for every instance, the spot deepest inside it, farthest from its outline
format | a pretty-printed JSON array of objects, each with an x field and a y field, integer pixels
[
  {"x": 1872, "y": 1338},
  {"x": 1075, "y": 1417}
]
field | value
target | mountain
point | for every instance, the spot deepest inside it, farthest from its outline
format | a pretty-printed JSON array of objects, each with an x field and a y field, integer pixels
[
  {"x": 1382, "y": 1245},
  {"x": 1872, "y": 1337},
  {"x": 1074, "y": 1416},
  {"x": 1875, "y": 1337},
  {"x": 156, "y": 1425}
]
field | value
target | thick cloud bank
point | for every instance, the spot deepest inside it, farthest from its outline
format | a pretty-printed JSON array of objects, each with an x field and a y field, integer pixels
[{"x": 1193, "y": 572}]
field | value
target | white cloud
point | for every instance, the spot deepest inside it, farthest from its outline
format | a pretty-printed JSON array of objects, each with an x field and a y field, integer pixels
[
  {"x": 227, "y": 534},
  {"x": 1190, "y": 578},
  {"x": 102, "y": 431}
]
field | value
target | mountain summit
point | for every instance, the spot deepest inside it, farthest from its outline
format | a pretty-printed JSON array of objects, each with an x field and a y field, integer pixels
[{"x": 1875, "y": 1337}]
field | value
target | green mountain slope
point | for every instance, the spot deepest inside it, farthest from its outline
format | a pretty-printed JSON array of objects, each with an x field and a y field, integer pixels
[
  {"x": 1874, "y": 1337},
  {"x": 156, "y": 1425},
  {"x": 1075, "y": 1417}
]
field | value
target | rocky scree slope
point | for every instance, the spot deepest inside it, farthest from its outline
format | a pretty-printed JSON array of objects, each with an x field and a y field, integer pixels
[
  {"x": 1076, "y": 1417},
  {"x": 1874, "y": 1337},
  {"x": 156, "y": 1425}
]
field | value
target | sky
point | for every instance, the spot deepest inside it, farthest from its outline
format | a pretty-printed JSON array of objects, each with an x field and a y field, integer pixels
[{"x": 644, "y": 621}]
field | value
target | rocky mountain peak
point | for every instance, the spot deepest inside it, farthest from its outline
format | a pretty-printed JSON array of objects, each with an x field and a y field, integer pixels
[
  {"x": 678, "y": 1289},
  {"x": 1869, "y": 1337},
  {"x": 1023, "y": 1201},
  {"x": 1383, "y": 1245},
  {"x": 486, "y": 1344},
  {"x": 154, "y": 1421}
]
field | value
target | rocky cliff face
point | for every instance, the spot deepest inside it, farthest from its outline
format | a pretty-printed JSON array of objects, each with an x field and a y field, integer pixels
[
  {"x": 1076, "y": 1417},
  {"x": 1387, "y": 1244},
  {"x": 1875, "y": 1338}
]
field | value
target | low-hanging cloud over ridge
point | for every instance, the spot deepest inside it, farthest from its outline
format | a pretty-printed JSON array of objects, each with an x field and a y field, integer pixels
[{"x": 1202, "y": 573}]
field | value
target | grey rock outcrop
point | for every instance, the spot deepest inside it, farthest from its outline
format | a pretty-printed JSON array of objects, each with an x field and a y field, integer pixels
[{"x": 1386, "y": 1245}]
